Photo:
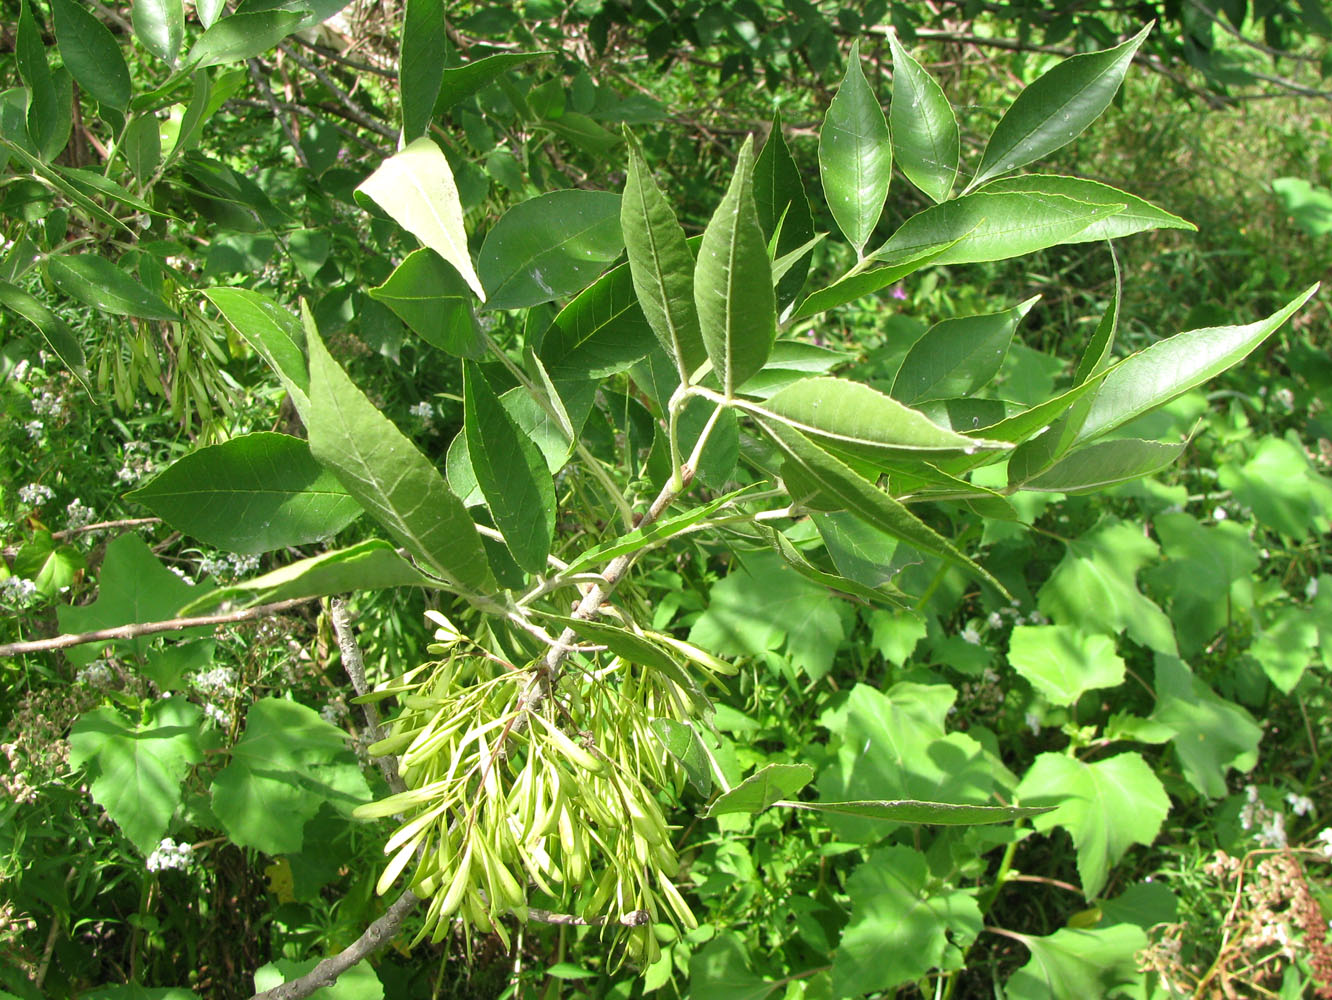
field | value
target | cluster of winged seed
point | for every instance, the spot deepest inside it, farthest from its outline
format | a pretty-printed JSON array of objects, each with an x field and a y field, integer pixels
[{"x": 513, "y": 803}]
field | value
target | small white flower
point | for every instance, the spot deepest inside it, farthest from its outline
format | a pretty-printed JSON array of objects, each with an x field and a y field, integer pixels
[
  {"x": 17, "y": 590},
  {"x": 219, "y": 715},
  {"x": 970, "y": 635},
  {"x": 209, "y": 566},
  {"x": 168, "y": 854},
  {"x": 1036, "y": 618},
  {"x": 995, "y": 620},
  {"x": 48, "y": 404},
  {"x": 97, "y": 674},
  {"x": 182, "y": 574},
  {"x": 79, "y": 514},
  {"x": 20, "y": 371},
  {"x": 1285, "y": 397},
  {"x": 33, "y": 428},
  {"x": 1219, "y": 514},
  {"x": 216, "y": 679},
  {"x": 1273, "y": 832},
  {"x": 35, "y": 494},
  {"x": 240, "y": 565},
  {"x": 1300, "y": 805},
  {"x": 1311, "y": 588},
  {"x": 1325, "y": 845},
  {"x": 332, "y": 712},
  {"x": 422, "y": 411}
]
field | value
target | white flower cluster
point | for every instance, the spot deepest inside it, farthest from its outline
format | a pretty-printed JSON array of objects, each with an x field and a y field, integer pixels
[
  {"x": 48, "y": 404},
  {"x": 1325, "y": 842},
  {"x": 34, "y": 428},
  {"x": 423, "y": 412},
  {"x": 1271, "y": 825},
  {"x": 1300, "y": 805},
  {"x": 218, "y": 680},
  {"x": 182, "y": 574},
  {"x": 333, "y": 712},
  {"x": 137, "y": 464},
  {"x": 80, "y": 515},
  {"x": 20, "y": 371},
  {"x": 218, "y": 715},
  {"x": 227, "y": 566},
  {"x": 98, "y": 674},
  {"x": 168, "y": 854},
  {"x": 35, "y": 494},
  {"x": 16, "y": 590}
]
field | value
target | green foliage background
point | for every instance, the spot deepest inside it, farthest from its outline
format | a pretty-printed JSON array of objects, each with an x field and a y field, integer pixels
[{"x": 176, "y": 181}]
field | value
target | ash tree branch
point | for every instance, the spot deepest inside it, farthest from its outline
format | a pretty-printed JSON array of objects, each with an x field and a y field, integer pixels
[
  {"x": 354, "y": 664},
  {"x": 147, "y": 628},
  {"x": 326, "y": 973}
]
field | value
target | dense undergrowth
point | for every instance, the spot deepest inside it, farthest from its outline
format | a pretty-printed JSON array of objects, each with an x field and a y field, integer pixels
[{"x": 177, "y": 812}]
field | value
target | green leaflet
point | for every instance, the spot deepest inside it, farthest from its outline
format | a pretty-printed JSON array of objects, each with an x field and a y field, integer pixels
[
  {"x": 421, "y": 64},
  {"x": 254, "y": 493},
  {"x": 1103, "y": 464},
  {"x": 1154, "y": 376},
  {"x": 737, "y": 308},
  {"x": 866, "y": 501},
  {"x": 855, "y": 155},
  {"x": 433, "y": 299},
  {"x": 91, "y": 54},
  {"x": 550, "y": 247},
  {"x": 57, "y": 334},
  {"x": 416, "y": 188},
  {"x": 661, "y": 265},
  {"x": 274, "y": 333},
  {"x": 511, "y": 472},
  {"x": 780, "y": 198},
  {"x": 460, "y": 82},
  {"x": 1137, "y": 215},
  {"x": 160, "y": 26},
  {"x": 862, "y": 283},
  {"x": 383, "y": 470},
  {"x": 242, "y": 36},
  {"x": 764, "y": 788},
  {"x": 988, "y": 225},
  {"x": 97, "y": 282},
  {"x": 958, "y": 356},
  {"x": 924, "y": 128},
  {"x": 48, "y": 125},
  {"x": 853, "y": 418},
  {"x": 369, "y": 565},
  {"x": 1056, "y": 108}
]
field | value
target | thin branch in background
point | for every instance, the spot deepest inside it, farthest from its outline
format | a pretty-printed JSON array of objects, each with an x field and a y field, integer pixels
[
  {"x": 266, "y": 92},
  {"x": 67, "y": 533},
  {"x": 354, "y": 664},
  {"x": 326, "y": 973},
  {"x": 304, "y": 112},
  {"x": 1252, "y": 43},
  {"x": 148, "y": 628},
  {"x": 354, "y": 111},
  {"x": 338, "y": 57}
]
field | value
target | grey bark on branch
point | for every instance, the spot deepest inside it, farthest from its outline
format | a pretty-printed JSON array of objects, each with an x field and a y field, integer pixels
[
  {"x": 147, "y": 628},
  {"x": 326, "y": 973}
]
